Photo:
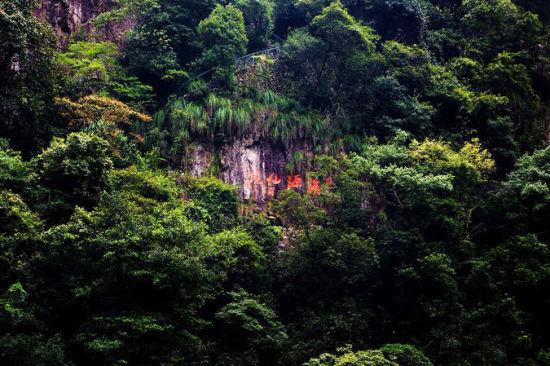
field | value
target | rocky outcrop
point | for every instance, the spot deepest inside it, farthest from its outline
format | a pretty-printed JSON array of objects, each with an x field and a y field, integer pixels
[
  {"x": 70, "y": 17},
  {"x": 256, "y": 167}
]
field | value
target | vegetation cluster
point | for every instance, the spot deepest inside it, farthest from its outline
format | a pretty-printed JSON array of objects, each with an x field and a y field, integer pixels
[{"x": 424, "y": 241}]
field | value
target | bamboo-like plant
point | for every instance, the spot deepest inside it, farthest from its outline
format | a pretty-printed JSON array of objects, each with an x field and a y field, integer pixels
[{"x": 267, "y": 115}]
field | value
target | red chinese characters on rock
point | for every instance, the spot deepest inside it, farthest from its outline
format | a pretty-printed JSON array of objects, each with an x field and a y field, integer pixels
[
  {"x": 313, "y": 186},
  {"x": 294, "y": 181},
  {"x": 272, "y": 181},
  {"x": 254, "y": 179}
]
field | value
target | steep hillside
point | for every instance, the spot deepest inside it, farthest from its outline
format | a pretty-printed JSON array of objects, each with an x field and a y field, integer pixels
[
  {"x": 73, "y": 18},
  {"x": 274, "y": 183}
]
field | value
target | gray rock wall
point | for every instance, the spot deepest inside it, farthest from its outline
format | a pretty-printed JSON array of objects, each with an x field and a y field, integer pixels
[{"x": 256, "y": 167}]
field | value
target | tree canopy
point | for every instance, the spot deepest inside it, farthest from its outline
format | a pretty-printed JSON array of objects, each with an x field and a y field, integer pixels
[{"x": 392, "y": 204}]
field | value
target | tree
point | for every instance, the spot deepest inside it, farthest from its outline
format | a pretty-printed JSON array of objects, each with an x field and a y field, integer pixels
[
  {"x": 539, "y": 7},
  {"x": 318, "y": 60},
  {"x": 93, "y": 68},
  {"x": 15, "y": 215},
  {"x": 521, "y": 266},
  {"x": 525, "y": 195},
  {"x": 15, "y": 173},
  {"x": 341, "y": 31},
  {"x": 113, "y": 121},
  {"x": 389, "y": 355},
  {"x": 220, "y": 200},
  {"x": 323, "y": 274},
  {"x": 510, "y": 78},
  {"x": 405, "y": 355},
  {"x": 27, "y": 77},
  {"x": 493, "y": 26},
  {"x": 258, "y": 19},
  {"x": 223, "y": 39},
  {"x": 93, "y": 108},
  {"x": 124, "y": 275},
  {"x": 348, "y": 357},
  {"x": 401, "y": 20},
  {"x": 71, "y": 172},
  {"x": 24, "y": 339},
  {"x": 288, "y": 15},
  {"x": 254, "y": 332}
]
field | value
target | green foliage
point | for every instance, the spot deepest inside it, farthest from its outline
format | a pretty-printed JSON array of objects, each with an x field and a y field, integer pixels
[
  {"x": 262, "y": 230},
  {"x": 408, "y": 64},
  {"x": 258, "y": 19},
  {"x": 223, "y": 39},
  {"x": 139, "y": 239},
  {"x": 389, "y": 355},
  {"x": 164, "y": 41},
  {"x": 506, "y": 76},
  {"x": 269, "y": 116},
  {"x": 124, "y": 10},
  {"x": 15, "y": 216},
  {"x": 493, "y": 26},
  {"x": 525, "y": 194},
  {"x": 471, "y": 160},
  {"x": 325, "y": 273},
  {"x": 253, "y": 328},
  {"x": 148, "y": 251},
  {"x": 73, "y": 171},
  {"x": 144, "y": 183},
  {"x": 109, "y": 119},
  {"x": 217, "y": 198},
  {"x": 348, "y": 357},
  {"x": 237, "y": 254},
  {"x": 289, "y": 15},
  {"x": 530, "y": 179},
  {"x": 89, "y": 63},
  {"x": 317, "y": 59},
  {"x": 150, "y": 53},
  {"x": 15, "y": 174},
  {"x": 405, "y": 355},
  {"x": 93, "y": 68},
  {"x": 298, "y": 211},
  {"x": 410, "y": 135},
  {"x": 404, "y": 20},
  {"x": 27, "y": 75},
  {"x": 341, "y": 31},
  {"x": 22, "y": 341}
]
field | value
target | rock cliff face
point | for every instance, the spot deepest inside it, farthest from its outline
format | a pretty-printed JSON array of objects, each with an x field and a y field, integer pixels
[
  {"x": 256, "y": 167},
  {"x": 69, "y": 17}
]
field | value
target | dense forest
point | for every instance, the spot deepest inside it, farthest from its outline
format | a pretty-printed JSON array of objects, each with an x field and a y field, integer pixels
[{"x": 275, "y": 182}]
